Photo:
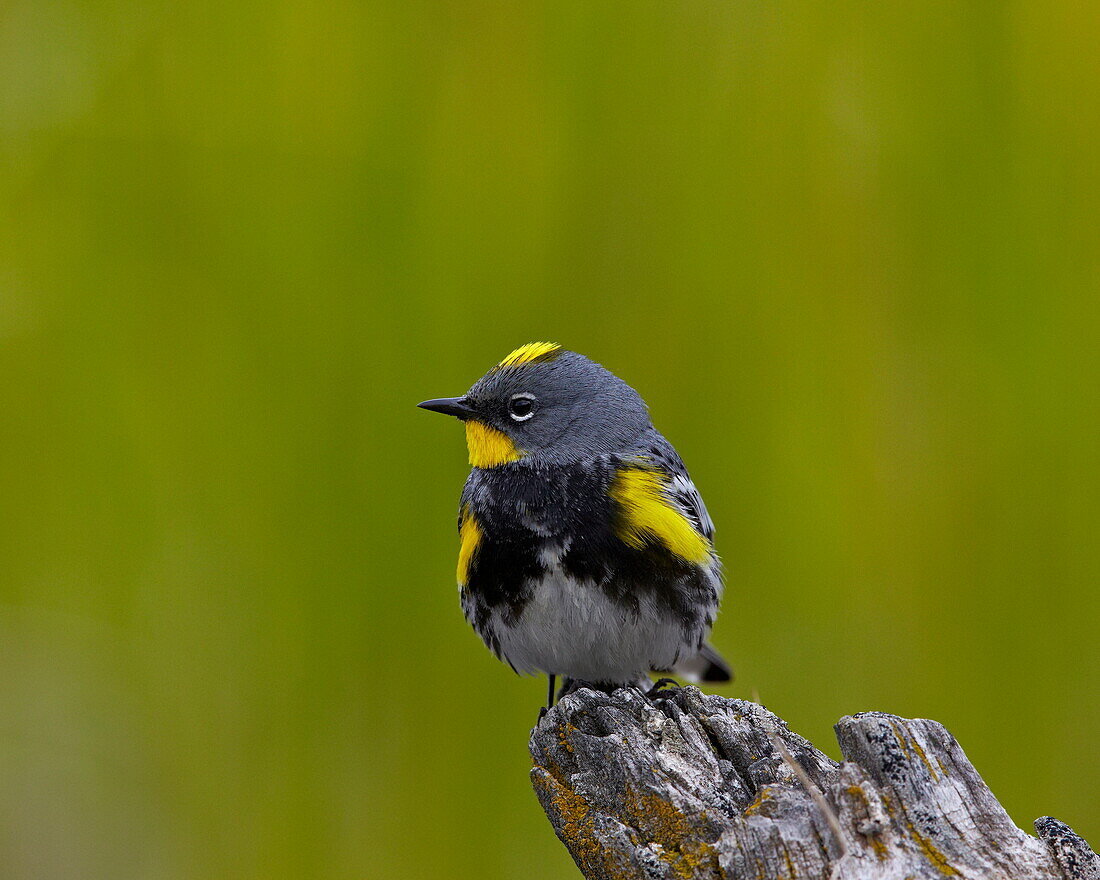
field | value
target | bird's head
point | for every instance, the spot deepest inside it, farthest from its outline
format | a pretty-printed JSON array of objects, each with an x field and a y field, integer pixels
[{"x": 543, "y": 404}]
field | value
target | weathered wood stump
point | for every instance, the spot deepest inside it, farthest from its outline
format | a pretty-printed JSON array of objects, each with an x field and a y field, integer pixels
[{"x": 689, "y": 785}]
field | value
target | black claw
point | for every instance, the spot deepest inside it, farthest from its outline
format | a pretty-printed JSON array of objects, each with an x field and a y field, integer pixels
[
  {"x": 659, "y": 687},
  {"x": 568, "y": 685},
  {"x": 575, "y": 684}
]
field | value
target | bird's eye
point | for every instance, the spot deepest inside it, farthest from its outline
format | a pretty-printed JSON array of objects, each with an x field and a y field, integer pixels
[{"x": 521, "y": 407}]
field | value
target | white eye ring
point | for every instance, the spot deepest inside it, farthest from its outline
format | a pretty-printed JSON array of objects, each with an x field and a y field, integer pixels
[{"x": 526, "y": 398}]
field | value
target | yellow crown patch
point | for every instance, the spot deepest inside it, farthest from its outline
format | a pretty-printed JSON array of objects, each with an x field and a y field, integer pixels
[{"x": 531, "y": 353}]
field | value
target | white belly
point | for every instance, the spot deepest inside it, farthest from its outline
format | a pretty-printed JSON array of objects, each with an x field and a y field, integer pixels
[{"x": 571, "y": 628}]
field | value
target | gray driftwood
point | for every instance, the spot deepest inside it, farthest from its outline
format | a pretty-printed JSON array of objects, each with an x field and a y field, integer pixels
[{"x": 691, "y": 786}]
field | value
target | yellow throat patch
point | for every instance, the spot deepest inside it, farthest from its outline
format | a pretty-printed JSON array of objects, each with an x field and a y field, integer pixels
[
  {"x": 489, "y": 448},
  {"x": 469, "y": 536},
  {"x": 649, "y": 517}
]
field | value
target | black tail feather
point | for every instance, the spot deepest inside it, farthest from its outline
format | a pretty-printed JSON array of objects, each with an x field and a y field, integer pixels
[
  {"x": 706, "y": 666},
  {"x": 717, "y": 669}
]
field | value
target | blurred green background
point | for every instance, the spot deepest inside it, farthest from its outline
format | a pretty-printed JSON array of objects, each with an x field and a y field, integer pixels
[{"x": 847, "y": 252}]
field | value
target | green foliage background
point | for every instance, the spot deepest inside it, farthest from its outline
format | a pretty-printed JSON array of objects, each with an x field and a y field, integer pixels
[{"x": 848, "y": 252}]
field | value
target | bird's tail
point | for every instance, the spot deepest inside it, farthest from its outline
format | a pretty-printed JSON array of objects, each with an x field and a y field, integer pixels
[{"x": 706, "y": 666}]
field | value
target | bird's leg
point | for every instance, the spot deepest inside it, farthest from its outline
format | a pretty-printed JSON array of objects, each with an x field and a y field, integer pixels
[{"x": 549, "y": 697}]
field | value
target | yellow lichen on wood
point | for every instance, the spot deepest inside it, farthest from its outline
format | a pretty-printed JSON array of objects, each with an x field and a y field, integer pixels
[
  {"x": 576, "y": 829},
  {"x": 758, "y": 801},
  {"x": 663, "y": 824},
  {"x": 901, "y": 738},
  {"x": 880, "y": 849},
  {"x": 931, "y": 852},
  {"x": 920, "y": 751},
  {"x": 911, "y": 746},
  {"x": 565, "y": 731}
]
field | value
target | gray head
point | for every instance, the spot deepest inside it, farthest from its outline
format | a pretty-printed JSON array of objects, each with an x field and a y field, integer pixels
[{"x": 543, "y": 404}]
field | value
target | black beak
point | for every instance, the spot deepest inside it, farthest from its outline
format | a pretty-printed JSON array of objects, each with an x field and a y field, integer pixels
[{"x": 450, "y": 406}]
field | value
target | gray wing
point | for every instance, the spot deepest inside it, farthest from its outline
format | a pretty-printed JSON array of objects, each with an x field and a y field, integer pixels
[
  {"x": 707, "y": 665},
  {"x": 684, "y": 495},
  {"x": 681, "y": 490}
]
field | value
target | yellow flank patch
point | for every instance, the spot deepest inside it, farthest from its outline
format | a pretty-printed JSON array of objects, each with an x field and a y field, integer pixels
[
  {"x": 489, "y": 448},
  {"x": 532, "y": 351},
  {"x": 469, "y": 536},
  {"x": 648, "y": 516}
]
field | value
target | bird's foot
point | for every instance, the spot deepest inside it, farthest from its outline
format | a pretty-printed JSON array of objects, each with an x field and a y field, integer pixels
[
  {"x": 661, "y": 687},
  {"x": 569, "y": 685}
]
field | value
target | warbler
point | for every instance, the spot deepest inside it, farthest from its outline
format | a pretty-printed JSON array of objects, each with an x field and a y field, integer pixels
[{"x": 585, "y": 550}]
